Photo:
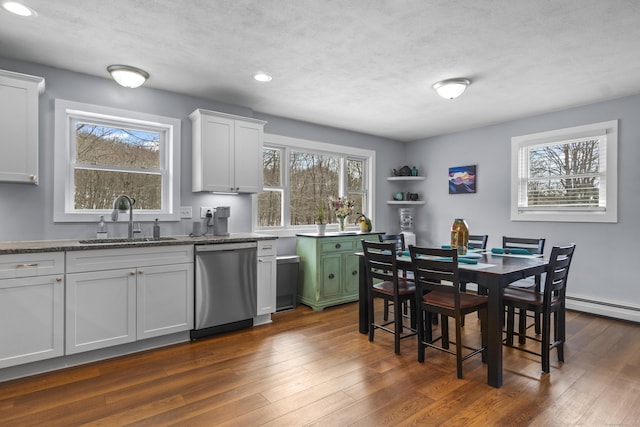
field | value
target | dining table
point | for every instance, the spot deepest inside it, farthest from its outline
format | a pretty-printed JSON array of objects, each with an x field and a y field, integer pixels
[{"x": 492, "y": 272}]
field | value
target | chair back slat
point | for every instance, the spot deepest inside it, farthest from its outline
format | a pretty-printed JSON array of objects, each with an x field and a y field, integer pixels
[
  {"x": 557, "y": 272},
  {"x": 535, "y": 246},
  {"x": 478, "y": 241},
  {"x": 397, "y": 239}
]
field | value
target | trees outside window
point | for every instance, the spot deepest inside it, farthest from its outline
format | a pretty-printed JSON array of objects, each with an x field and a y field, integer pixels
[
  {"x": 299, "y": 179},
  {"x": 103, "y": 152},
  {"x": 566, "y": 175}
]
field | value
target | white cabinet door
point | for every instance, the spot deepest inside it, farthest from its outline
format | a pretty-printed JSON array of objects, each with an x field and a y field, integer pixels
[
  {"x": 267, "y": 266},
  {"x": 165, "y": 300},
  {"x": 100, "y": 309},
  {"x": 19, "y": 126},
  {"x": 32, "y": 313},
  {"x": 217, "y": 153},
  {"x": 248, "y": 157}
]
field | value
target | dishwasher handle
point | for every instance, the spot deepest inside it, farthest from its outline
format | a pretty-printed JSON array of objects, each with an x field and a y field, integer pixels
[{"x": 218, "y": 247}]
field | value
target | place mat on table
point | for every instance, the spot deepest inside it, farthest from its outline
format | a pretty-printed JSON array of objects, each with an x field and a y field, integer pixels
[{"x": 531, "y": 256}]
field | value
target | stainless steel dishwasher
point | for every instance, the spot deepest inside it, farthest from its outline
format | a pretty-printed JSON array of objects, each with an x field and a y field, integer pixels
[{"x": 226, "y": 282}]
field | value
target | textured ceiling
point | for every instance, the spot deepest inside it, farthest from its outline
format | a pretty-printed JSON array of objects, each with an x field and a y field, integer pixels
[{"x": 362, "y": 65}]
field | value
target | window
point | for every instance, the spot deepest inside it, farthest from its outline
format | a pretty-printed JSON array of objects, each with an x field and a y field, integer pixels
[
  {"x": 103, "y": 152},
  {"x": 300, "y": 175},
  {"x": 566, "y": 175}
]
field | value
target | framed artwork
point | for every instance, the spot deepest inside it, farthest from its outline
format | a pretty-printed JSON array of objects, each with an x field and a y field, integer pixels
[{"x": 462, "y": 179}]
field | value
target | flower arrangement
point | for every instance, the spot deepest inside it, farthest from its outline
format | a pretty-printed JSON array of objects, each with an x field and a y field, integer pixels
[{"x": 341, "y": 206}]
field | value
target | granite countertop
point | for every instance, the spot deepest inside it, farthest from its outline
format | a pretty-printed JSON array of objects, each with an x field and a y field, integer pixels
[
  {"x": 339, "y": 233},
  {"x": 23, "y": 247}
]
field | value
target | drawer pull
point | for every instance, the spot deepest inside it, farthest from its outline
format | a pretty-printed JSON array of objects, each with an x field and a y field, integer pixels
[
  {"x": 331, "y": 276},
  {"x": 354, "y": 273},
  {"x": 338, "y": 245},
  {"x": 132, "y": 273},
  {"x": 140, "y": 271},
  {"x": 35, "y": 265},
  {"x": 58, "y": 279}
]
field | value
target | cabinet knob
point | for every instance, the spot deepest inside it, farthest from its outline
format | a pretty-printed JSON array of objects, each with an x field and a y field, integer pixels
[
  {"x": 140, "y": 271},
  {"x": 58, "y": 279},
  {"x": 132, "y": 273},
  {"x": 354, "y": 273},
  {"x": 32, "y": 177},
  {"x": 331, "y": 276},
  {"x": 338, "y": 245},
  {"x": 260, "y": 260}
]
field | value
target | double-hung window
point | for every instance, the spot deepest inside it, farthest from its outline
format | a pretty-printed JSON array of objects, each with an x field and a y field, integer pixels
[
  {"x": 566, "y": 175},
  {"x": 103, "y": 152},
  {"x": 301, "y": 175}
]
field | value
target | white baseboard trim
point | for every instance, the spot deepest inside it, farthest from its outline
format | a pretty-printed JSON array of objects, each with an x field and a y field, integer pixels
[
  {"x": 602, "y": 308},
  {"x": 599, "y": 308}
]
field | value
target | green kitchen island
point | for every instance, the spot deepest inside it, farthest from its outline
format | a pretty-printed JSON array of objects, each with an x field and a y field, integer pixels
[{"x": 329, "y": 269}]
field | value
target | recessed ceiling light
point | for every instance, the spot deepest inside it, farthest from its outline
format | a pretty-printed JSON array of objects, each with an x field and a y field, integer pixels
[
  {"x": 18, "y": 9},
  {"x": 262, "y": 77}
]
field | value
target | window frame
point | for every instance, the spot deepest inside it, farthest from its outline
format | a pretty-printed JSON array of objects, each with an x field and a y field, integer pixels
[
  {"x": 67, "y": 113},
  {"x": 608, "y": 170},
  {"x": 286, "y": 144}
]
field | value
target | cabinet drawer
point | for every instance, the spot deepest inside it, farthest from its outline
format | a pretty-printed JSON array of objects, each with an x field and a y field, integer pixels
[
  {"x": 266, "y": 248},
  {"x": 347, "y": 245},
  {"x": 29, "y": 265},
  {"x": 110, "y": 259}
]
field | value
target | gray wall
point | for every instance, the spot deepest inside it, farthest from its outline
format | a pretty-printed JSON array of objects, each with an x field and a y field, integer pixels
[
  {"x": 605, "y": 253},
  {"x": 27, "y": 210},
  {"x": 602, "y": 268}
]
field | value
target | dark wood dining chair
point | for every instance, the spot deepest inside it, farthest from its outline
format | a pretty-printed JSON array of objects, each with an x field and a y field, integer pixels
[
  {"x": 438, "y": 291},
  {"x": 550, "y": 300},
  {"x": 476, "y": 241},
  {"x": 398, "y": 240},
  {"x": 383, "y": 282},
  {"x": 534, "y": 246}
]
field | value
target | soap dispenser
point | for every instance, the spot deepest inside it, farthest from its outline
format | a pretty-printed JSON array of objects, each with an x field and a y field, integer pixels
[
  {"x": 156, "y": 230},
  {"x": 102, "y": 228}
]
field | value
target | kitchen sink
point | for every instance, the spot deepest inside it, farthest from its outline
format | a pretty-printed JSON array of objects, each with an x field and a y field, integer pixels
[{"x": 125, "y": 240}]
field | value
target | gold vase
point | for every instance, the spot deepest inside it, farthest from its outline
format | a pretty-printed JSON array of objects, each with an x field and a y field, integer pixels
[{"x": 460, "y": 236}]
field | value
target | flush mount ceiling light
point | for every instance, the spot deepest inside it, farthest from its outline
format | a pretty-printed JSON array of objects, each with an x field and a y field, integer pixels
[
  {"x": 451, "y": 88},
  {"x": 128, "y": 76},
  {"x": 262, "y": 77},
  {"x": 18, "y": 9}
]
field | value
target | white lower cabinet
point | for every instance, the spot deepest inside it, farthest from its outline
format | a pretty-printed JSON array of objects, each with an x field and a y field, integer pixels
[
  {"x": 31, "y": 307},
  {"x": 151, "y": 296},
  {"x": 267, "y": 266}
]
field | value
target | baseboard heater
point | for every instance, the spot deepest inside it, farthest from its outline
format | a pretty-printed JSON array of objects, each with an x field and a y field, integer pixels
[{"x": 603, "y": 308}]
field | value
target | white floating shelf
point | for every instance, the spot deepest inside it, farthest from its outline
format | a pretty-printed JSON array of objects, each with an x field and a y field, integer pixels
[
  {"x": 406, "y": 178},
  {"x": 405, "y": 202}
]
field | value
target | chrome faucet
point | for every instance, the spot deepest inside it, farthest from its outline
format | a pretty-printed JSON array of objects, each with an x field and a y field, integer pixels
[{"x": 116, "y": 204}]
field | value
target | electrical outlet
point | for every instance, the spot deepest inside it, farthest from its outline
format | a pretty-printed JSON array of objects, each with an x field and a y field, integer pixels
[
  {"x": 186, "y": 212},
  {"x": 203, "y": 211}
]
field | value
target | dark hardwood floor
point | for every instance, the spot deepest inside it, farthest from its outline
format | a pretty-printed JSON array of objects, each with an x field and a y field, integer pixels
[{"x": 315, "y": 369}]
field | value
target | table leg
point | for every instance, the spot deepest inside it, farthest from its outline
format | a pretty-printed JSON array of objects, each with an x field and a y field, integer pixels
[
  {"x": 363, "y": 311},
  {"x": 494, "y": 329}
]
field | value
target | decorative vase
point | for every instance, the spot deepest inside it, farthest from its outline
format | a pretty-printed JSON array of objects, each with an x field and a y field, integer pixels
[
  {"x": 460, "y": 236},
  {"x": 341, "y": 221},
  {"x": 321, "y": 228}
]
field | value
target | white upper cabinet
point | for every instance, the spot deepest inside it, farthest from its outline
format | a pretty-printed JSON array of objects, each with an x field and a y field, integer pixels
[
  {"x": 227, "y": 152},
  {"x": 19, "y": 126}
]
